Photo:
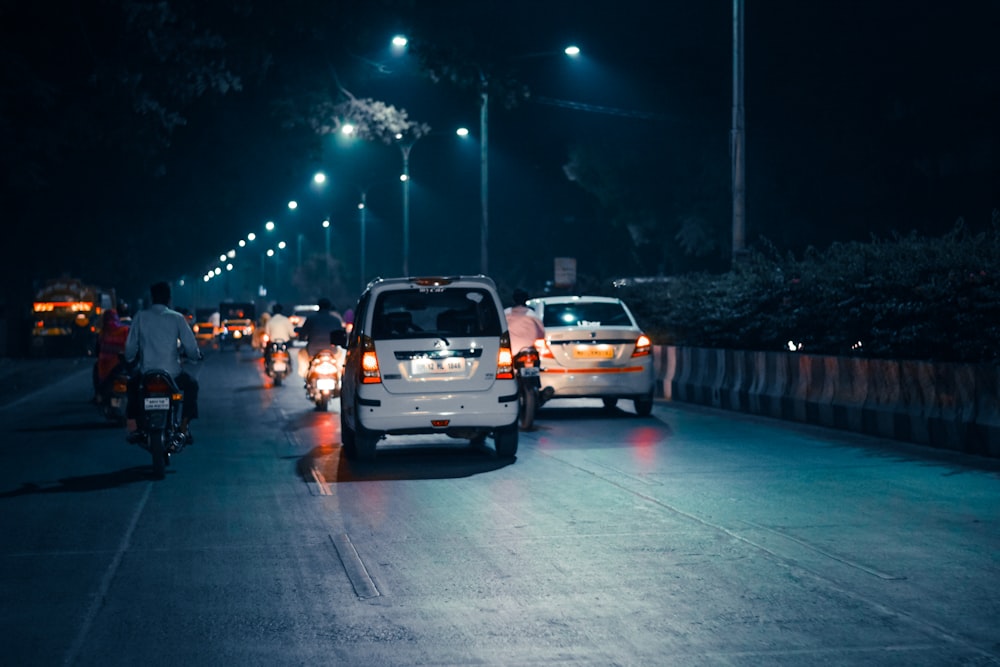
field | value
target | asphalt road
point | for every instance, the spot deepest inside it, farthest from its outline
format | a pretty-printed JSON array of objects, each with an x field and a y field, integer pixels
[{"x": 691, "y": 537}]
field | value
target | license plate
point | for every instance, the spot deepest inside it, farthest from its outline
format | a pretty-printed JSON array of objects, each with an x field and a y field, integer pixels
[
  {"x": 437, "y": 366},
  {"x": 326, "y": 384},
  {"x": 279, "y": 366},
  {"x": 593, "y": 352},
  {"x": 157, "y": 403},
  {"x": 529, "y": 372}
]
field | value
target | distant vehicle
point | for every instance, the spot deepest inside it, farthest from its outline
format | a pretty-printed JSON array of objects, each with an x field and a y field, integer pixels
[
  {"x": 205, "y": 331},
  {"x": 428, "y": 356},
  {"x": 299, "y": 315},
  {"x": 237, "y": 325},
  {"x": 236, "y": 333},
  {"x": 595, "y": 349},
  {"x": 66, "y": 317}
]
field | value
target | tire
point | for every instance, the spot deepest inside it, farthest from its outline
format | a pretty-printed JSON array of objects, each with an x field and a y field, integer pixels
[
  {"x": 610, "y": 403},
  {"x": 347, "y": 439},
  {"x": 322, "y": 403},
  {"x": 505, "y": 441},
  {"x": 644, "y": 405},
  {"x": 158, "y": 450},
  {"x": 277, "y": 380},
  {"x": 527, "y": 399},
  {"x": 365, "y": 443}
]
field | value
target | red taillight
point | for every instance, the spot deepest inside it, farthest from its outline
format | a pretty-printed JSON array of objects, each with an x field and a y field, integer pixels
[
  {"x": 440, "y": 423},
  {"x": 158, "y": 385},
  {"x": 505, "y": 360},
  {"x": 120, "y": 385},
  {"x": 369, "y": 363},
  {"x": 643, "y": 346}
]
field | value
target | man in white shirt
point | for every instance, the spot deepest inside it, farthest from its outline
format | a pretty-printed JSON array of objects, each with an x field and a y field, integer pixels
[
  {"x": 152, "y": 341},
  {"x": 278, "y": 328}
]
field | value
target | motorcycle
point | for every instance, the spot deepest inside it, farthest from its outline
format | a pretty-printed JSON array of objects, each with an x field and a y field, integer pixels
[
  {"x": 112, "y": 396},
  {"x": 159, "y": 422},
  {"x": 323, "y": 378},
  {"x": 527, "y": 369},
  {"x": 277, "y": 364}
]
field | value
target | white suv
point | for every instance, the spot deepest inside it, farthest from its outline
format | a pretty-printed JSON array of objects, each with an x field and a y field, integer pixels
[{"x": 428, "y": 356}]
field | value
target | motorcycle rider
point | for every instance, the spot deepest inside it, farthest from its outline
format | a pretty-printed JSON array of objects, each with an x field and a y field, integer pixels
[
  {"x": 153, "y": 343},
  {"x": 110, "y": 348},
  {"x": 316, "y": 332},
  {"x": 525, "y": 327},
  {"x": 278, "y": 328}
]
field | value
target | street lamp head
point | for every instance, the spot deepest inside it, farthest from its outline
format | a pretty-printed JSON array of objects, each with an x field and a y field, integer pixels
[
  {"x": 404, "y": 177},
  {"x": 326, "y": 224},
  {"x": 281, "y": 245},
  {"x": 572, "y": 51},
  {"x": 462, "y": 132},
  {"x": 319, "y": 178},
  {"x": 348, "y": 129},
  {"x": 269, "y": 225},
  {"x": 399, "y": 42},
  {"x": 222, "y": 258},
  {"x": 292, "y": 205},
  {"x": 251, "y": 236}
]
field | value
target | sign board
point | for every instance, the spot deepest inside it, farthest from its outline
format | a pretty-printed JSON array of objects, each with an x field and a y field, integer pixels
[{"x": 565, "y": 271}]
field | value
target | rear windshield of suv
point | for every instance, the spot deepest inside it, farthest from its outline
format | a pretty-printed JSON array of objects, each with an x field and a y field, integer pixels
[
  {"x": 434, "y": 312},
  {"x": 581, "y": 314}
]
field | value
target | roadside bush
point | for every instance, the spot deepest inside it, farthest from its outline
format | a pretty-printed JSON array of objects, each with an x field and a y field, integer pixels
[{"x": 908, "y": 297}]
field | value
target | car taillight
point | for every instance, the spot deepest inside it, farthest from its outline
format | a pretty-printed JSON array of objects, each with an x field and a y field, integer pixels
[
  {"x": 369, "y": 363},
  {"x": 505, "y": 359},
  {"x": 643, "y": 346},
  {"x": 543, "y": 349}
]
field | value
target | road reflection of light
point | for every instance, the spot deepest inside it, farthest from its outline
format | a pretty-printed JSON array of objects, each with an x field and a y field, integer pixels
[{"x": 643, "y": 442}]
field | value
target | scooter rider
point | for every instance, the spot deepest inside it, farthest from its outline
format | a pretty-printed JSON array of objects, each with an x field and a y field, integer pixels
[
  {"x": 316, "y": 332},
  {"x": 152, "y": 342},
  {"x": 525, "y": 327},
  {"x": 278, "y": 329}
]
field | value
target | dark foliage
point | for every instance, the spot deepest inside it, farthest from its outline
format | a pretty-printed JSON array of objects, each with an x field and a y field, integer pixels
[{"x": 908, "y": 297}]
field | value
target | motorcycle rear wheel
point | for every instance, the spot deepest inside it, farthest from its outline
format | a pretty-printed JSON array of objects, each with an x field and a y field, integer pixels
[
  {"x": 158, "y": 450},
  {"x": 527, "y": 399}
]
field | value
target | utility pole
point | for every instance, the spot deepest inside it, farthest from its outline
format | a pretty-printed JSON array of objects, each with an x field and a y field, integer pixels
[{"x": 737, "y": 145}]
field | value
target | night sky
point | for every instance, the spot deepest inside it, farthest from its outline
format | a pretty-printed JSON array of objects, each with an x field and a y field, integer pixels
[{"x": 861, "y": 118}]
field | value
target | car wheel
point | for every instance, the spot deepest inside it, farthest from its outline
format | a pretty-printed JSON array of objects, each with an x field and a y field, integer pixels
[
  {"x": 644, "y": 405},
  {"x": 365, "y": 442},
  {"x": 505, "y": 441},
  {"x": 347, "y": 439}
]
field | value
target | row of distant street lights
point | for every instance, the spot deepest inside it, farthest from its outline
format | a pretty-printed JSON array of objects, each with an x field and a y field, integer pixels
[{"x": 227, "y": 260}]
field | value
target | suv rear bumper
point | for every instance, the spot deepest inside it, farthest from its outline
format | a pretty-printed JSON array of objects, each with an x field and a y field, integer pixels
[{"x": 383, "y": 412}]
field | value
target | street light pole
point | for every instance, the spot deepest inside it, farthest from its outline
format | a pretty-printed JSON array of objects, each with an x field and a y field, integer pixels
[
  {"x": 737, "y": 147},
  {"x": 484, "y": 104},
  {"x": 363, "y": 209},
  {"x": 405, "y": 150}
]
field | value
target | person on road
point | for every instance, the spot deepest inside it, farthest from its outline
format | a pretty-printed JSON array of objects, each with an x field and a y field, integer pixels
[
  {"x": 110, "y": 349},
  {"x": 278, "y": 329},
  {"x": 525, "y": 327},
  {"x": 316, "y": 332},
  {"x": 523, "y": 323},
  {"x": 153, "y": 343}
]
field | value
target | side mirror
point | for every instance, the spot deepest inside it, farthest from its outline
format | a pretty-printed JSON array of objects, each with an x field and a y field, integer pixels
[{"x": 338, "y": 337}]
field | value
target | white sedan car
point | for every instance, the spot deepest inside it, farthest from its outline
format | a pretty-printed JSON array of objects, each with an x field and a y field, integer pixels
[{"x": 594, "y": 348}]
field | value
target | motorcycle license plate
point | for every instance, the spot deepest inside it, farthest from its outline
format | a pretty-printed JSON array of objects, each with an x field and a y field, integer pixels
[
  {"x": 157, "y": 403},
  {"x": 326, "y": 384},
  {"x": 279, "y": 366},
  {"x": 529, "y": 372}
]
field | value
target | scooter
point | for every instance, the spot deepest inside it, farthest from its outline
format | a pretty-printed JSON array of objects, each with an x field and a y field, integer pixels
[
  {"x": 323, "y": 378},
  {"x": 277, "y": 364},
  {"x": 159, "y": 431},
  {"x": 527, "y": 369}
]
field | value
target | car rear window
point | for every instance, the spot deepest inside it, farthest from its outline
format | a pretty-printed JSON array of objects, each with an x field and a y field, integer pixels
[
  {"x": 433, "y": 312},
  {"x": 578, "y": 314}
]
